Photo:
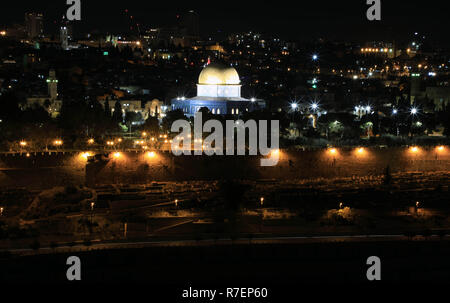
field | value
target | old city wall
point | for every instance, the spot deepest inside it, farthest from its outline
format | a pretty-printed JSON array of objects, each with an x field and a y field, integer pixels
[{"x": 59, "y": 169}]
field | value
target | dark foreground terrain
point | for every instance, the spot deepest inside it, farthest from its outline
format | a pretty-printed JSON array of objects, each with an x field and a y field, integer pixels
[{"x": 249, "y": 264}]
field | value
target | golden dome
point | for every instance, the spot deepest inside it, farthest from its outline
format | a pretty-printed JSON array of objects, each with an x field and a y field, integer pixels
[{"x": 218, "y": 74}]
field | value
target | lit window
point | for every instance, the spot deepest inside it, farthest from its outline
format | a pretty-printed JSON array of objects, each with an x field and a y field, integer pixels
[{"x": 232, "y": 111}]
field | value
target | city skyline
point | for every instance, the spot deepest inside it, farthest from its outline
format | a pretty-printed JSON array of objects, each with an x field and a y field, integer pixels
[{"x": 325, "y": 19}]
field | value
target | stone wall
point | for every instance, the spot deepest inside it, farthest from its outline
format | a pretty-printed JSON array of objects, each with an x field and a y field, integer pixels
[{"x": 43, "y": 170}]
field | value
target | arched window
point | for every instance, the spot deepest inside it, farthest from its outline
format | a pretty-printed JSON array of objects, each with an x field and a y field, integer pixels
[
  {"x": 213, "y": 111},
  {"x": 218, "y": 111},
  {"x": 232, "y": 111},
  {"x": 237, "y": 111}
]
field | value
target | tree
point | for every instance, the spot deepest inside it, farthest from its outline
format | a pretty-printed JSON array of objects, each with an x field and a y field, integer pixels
[
  {"x": 107, "y": 110},
  {"x": 446, "y": 121},
  {"x": 131, "y": 117},
  {"x": 117, "y": 114},
  {"x": 151, "y": 126}
]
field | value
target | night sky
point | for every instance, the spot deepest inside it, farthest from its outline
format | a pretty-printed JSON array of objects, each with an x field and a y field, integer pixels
[{"x": 340, "y": 20}]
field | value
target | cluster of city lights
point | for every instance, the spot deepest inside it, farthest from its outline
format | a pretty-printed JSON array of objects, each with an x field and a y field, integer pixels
[{"x": 367, "y": 108}]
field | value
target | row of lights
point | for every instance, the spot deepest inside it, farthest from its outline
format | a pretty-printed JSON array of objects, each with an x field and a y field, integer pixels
[
  {"x": 376, "y": 50},
  {"x": 55, "y": 143},
  {"x": 362, "y": 150},
  {"x": 151, "y": 155}
]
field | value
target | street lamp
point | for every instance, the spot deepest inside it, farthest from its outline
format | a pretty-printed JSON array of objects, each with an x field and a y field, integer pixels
[
  {"x": 394, "y": 111},
  {"x": 414, "y": 111},
  {"x": 315, "y": 57},
  {"x": 262, "y": 200},
  {"x": 92, "y": 212},
  {"x": 294, "y": 106},
  {"x": 314, "y": 106},
  {"x": 1, "y": 211}
]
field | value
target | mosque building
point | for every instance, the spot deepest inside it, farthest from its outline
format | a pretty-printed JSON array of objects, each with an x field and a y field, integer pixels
[{"x": 218, "y": 89}]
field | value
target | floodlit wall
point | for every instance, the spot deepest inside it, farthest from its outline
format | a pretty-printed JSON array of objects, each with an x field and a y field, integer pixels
[{"x": 43, "y": 170}]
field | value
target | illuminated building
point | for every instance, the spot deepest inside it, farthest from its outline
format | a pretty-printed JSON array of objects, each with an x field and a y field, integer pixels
[
  {"x": 218, "y": 89},
  {"x": 49, "y": 102},
  {"x": 153, "y": 108},
  {"x": 34, "y": 25}
]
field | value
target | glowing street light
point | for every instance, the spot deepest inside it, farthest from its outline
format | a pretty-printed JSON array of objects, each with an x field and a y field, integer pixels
[
  {"x": 315, "y": 57},
  {"x": 414, "y": 111},
  {"x": 262, "y": 200},
  {"x": 176, "y": 202},
  {"x": 117, "y": 155},
  {"x": 394, "y": 111},
  {"x": 1, "y": 211},
  {"x": 57, "y": 143},
  {"x": 23, "y": 143},
  {"x": 151, "y": 154},
  {"x": 440, "y": 148},
  {"x": 314, "y": 106},
  {"x": 92, "y": 206},
  {"x": 294, "y": 106},
  {"x": 85, "y": 155},
  {"x": 333, "y": 151},
  {"x": 414, "y": 149},
  {"x": 361, "y": 150},
  {"x": 275, "y": 153},
  {"x": 91, "y": 141}
]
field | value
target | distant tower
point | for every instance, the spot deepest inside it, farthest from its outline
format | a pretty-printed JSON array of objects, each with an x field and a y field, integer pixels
[
  {"x": 191, "y": 22},
  {"x": 34, "y": 24},
  {"x": 64, "y": 37},
  {"x": 52, "y": 84},
  {"x": 65, "y": 33},
  {"x": 415, "y": 86}
]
